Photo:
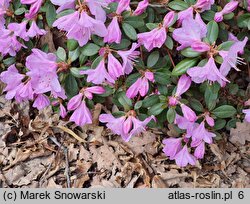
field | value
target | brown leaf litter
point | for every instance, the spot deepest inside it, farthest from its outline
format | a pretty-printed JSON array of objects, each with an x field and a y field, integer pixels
[{"x": 37, "y": 149}]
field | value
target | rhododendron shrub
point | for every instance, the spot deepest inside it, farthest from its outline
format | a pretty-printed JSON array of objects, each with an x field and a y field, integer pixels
[{"x": 181, "y": 64}]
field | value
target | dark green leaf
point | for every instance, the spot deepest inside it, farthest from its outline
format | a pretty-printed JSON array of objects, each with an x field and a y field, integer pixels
[
  {"x": 129, "y": 31},
  {"x": 90, "y": 49},
  {"x": 153, "y": 58},
  {"x": 71, "y": 86},
  {"x": 212, "y": 31},
  {"x": 224, "y": 111},
  {"x": 184, "y": 65}
]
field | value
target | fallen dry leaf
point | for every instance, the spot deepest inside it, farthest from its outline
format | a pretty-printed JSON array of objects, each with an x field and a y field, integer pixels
[{"x": 240, "y": 134}]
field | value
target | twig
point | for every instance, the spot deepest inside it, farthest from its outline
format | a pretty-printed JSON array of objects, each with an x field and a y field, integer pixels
[
  {"x": 171, "y": 59},
  {"x": 65, "y": 151}
]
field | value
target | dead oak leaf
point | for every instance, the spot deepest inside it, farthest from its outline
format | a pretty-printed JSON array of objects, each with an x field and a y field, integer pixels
[
  {"x": 142, "y": 143},
  {"x": 240, "y": 134}
]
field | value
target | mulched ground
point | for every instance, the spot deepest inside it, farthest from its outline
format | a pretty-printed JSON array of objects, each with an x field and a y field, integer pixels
[{"x": 37, "y": 149}]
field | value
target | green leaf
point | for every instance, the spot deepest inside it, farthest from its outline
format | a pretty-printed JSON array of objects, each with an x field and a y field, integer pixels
[
  {"x": 196, "y": 105},
  {"x": 61, "y": 54},
  {"x": 178, "y": 5},
  {"x": 122, "y": 45},
  {"x": 171, "y": 115},
  {"x": 225, "y": 45},
  {"x": 189, "y": 52},
  {"x": 19, "y": 11},
  {"x": 208, "y": 15},
  {"x": 184, "y": 65},
  {"x": 134, "y": 21},
  {"x": 129, "y": 31},
  {"x": 212, "y": 31},
  {"x": 96, "y": 62},
  {"x": 150, "y": 101},
  {"x": 219, "y": 124},
  {"x": 169, "y": 43},
  {"x": 211, "y": 95},
  {"x": 65, "y": 13},
  {"x": 124, "y": 101},
  {"x": 76, "y": 71},
  {"x": 224, "y": 111},
  {"x": 73, "y": 55},
  {"x": 243, "y": 20},
  {"x": 162, "y": 76},
  {"x": 152, "y": 26},
  {"x": 9, "y": 61},
  {"x": 71, "y": 86},
  {"x": 138, "y": 105},
  {"x": 50, "y": 14},
  {"x": 90, "y": 49},
  {"x": 72, "y": 44},
  {"x": 153, "y": 58},
  {"x": 156, "y": 109}
]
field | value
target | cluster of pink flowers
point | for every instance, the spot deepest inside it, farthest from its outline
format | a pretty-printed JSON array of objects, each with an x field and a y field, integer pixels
[
  {"x": 82, "y": 20},
  {"x": 195, "y": 132}
]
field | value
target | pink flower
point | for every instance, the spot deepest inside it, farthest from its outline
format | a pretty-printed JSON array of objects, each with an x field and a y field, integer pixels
[
  {"x": 140, "y": 86},
  {"x": 200, "y": 47},
  {"x": 201, "y": 6},
  {"x": 172, "y": 101},
  {"x": 26, "y": 91},
  {"x": 19, "y": 29},
  {"x": 142, "y": 6},
  {"x": 114, "y": 124},
  {"x": 43, "y": 73},
  {"x": 209, "y": 120},
  {"x": 129, "y": 57},
  {"x": 183, "y": 157},
  {"x": 247, "y": 117},
  {"x": 208, "y": 72},
  {"x": 185, "y": 14},
  {"x": 9, "y": 43},
  {"x": 63, "y": 111},
  {"x": 34, "y": 8},
  {"x": 192, "y": 31},
  {"x": 96, "y": 9},
  {"x": 88, "y": 92},
  {"x": 82, "y": 115},
  {"x": 201, "y": 134},
  {"x": 41, "y": 102},
  {"x": 99, "y": 74},
  {"x": 75, "y": 102},
  {"x": 154, "y": 38},
  {"x": 126, "y": 127},
  {"x": 185, "y": 124},
  {"x": 172, "y": 147},
  {"x": 115, "y": 69},
  {"x": 183, "y": 85},
  {"x": 230, "y": 57},
  {"x": 40, "y": 60},
  {"x": 122, "y": 6},
  {"x": 12, "y": 79},
  {"x": 114, "y": 33},
  {"x": 34, "y": 30},
  {"x": 200, "y": 151},
  {"x": 4, "y": 5},
  {"x": 63, "y": 4},
  {"x": 204, "y": 5},
  {"x": 169, "y": 19},
  {"x": 83, "y": 27},
  {"x": 228, "y": 8},
  {"x": 188, "y": 113}
]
